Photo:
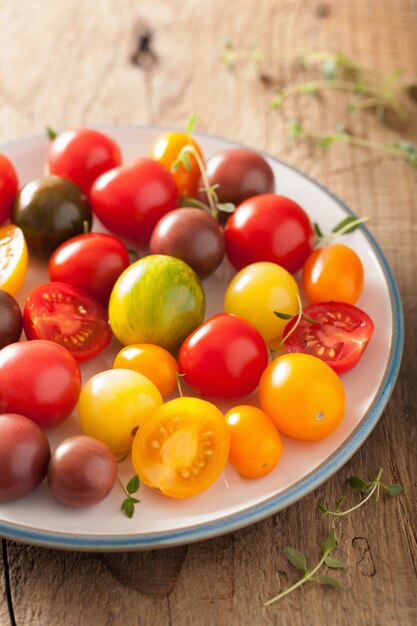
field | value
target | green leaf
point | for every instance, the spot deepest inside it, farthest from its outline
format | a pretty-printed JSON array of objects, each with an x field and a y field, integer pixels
[
  {"x": 329, "y": 69},
  {"x": 186, "y": 161},
  {"x": 226, "y": 207},
  {"x": 323, "y": 508},
  {"x": 309, "y": 320},
  {"x": 309, "y": 89},
  {"x": 331, "y": 542},
  {"x": 276, "y": 102},
  {"x": 284, "y": 316},
  {"x": 348, "y": 220},
  {"x": 359, "y": 85},
  {"x": 328, "y": 580},
  {"x": 133, "y": 484},
  {"x": 330, "y": 561},
  {"x": 191, "y": 124},
  {"x": 128, "y": 507},
  {"x": 339, "y": 502},
  {"x": 394, "y": 490},
  {"x": 357, "y": 483},
  {"x": 51, "y": 133},
  {"x": 326, "y": 141},
  {"x": 134, "y": 500},
  {"x": 296, "y": 558},
  {"x": 318, "y": 231},
  {"x": 295, "y": 130}
]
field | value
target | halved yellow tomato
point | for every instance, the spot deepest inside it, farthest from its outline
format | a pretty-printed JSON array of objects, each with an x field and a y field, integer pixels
[
  {"x": 13, "y": 258},
  {"x": 182, "y": 448}
]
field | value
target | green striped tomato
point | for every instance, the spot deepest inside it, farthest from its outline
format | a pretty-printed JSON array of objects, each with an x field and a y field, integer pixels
[{"x": 158, "y": 299}]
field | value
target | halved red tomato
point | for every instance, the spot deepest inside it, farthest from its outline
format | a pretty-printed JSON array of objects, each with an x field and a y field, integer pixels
[
  {"x": 68, "y": 316},
  {"x": 339, "y": 336}
]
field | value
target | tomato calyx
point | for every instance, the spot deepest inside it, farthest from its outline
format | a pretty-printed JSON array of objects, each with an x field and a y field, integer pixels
[
  {"x": 338, "y": 336},
  {"x": 346, "y": 226}
]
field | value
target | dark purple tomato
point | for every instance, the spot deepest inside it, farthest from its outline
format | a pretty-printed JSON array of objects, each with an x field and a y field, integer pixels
[
  {"x": 24, "y": 456},
  {"x": 240, "y": 174},
  {"x": 11, "y": 322},
  {"x": 193, "y": 236},
  {"x": 82, "y": 471}
]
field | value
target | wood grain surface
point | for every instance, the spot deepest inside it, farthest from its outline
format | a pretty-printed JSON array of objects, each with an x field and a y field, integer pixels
[{"x": 69, "y": 62}]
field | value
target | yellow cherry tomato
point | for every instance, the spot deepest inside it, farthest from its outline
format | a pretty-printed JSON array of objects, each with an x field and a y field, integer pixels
[
  {"x": 182, "y": 448},
  {"x": 13, "y": 258},
  {"x": 333, "y": 273},
  {"x": 257, "y": 291},
  {"x": 303, "y": 395},
  {"x": 113, "y": 404},
  {"x": 255, "y": 444},
  {"x": 152, "y": 361},
  {"x": 166, "y": 150}
]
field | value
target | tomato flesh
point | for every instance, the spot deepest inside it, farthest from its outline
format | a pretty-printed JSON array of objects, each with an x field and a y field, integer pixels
[
  {"x": 66, "y": 315},
  {"x": 182, "y": 448},
  {"x": 339, "y": 338}
]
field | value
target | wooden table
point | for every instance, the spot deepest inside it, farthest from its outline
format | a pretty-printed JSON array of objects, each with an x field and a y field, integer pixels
[{"x": 66, "y": 63}]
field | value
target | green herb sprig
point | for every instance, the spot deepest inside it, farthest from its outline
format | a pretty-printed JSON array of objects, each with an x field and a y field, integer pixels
[
  {"x": 299, "y": 560},
  {"x": 129, "y": 503}
]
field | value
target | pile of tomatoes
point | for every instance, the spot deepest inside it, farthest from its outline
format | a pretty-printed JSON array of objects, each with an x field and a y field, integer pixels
[{"x": 188, "y": 214}]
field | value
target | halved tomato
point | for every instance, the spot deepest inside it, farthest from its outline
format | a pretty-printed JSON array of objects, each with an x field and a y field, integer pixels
[
  {"x": 339, "y": 336},
  {"x": 13, "y": 258},
  {"x": 68, "y": 316},
  {"x": 182, "y": 448}
]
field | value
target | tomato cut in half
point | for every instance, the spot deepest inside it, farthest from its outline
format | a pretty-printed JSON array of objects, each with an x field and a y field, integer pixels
[
  {"x": 13, "y": 258},
  {"x": 182, "y": 448},
  {"x": 339, "y": 336},
  {"x": 66, "y": 315}
]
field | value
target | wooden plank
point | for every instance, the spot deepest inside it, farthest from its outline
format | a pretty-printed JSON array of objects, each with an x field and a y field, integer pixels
[
  {"x": 79, "y": 71},
  {"x": 4, "y": 611}
]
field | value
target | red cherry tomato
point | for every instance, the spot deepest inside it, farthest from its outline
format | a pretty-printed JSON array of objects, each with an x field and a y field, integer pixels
[
  {"x": 224, "y": 357},
  {"x": 91, "y": 262},
  {"x": 39, "y": 379},
  {"x": 130, "y": 200},
  {"x": 82, "y": 155},
  {"x": 9, "y": 186},
  {"x": 339, "y": 338},
  {"x": 269, "y": 228},
  {"x": 69, "y": 317}
]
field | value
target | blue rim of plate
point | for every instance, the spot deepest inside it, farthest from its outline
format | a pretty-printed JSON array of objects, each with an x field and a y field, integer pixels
[{"x": 258, "y": 512}]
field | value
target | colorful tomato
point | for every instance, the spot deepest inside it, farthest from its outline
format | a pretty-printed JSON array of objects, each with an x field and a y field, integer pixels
[
  {"x": 11, "y": 322},
  {"x": 131, "y": 199},
  {"x": 255, "y": 444},
  {"x": 24, "y": 456},
  {"x": 257, "y": 291},
  {"x": 240, "y": 174},
  {"x": 50, "y": 210},
  {"x": 158, "y": 299},
  {"x": 339, "y": 335},
  {"x": 333, "y": 273},
  {"x": 166, "y": 150},
  {"x": 182, "y": 448},
  {"x": 269, "y": 228},
  {"x": 39, "y": 379},
  {"x": 82, "y": 155},
  {"x": 224, "y": 357},
  {"x": 151, "y": 361},
  {"x": 9, "y": 186},
  {"x": 91, "y": 262},
  {"x": 303, "y": 396},
  {"x": 69, "y": 317},
  {"x": 193, "y": 236},
  {"x": 13, "y": 258},
  {"x": 113, "y": 404},
  {"x": 82, "y": 471}
]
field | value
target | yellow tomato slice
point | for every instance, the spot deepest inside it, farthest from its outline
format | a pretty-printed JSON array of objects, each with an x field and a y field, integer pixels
[
  {"x": 182, "y": 448},
  {"x": 13, "y": 258}
]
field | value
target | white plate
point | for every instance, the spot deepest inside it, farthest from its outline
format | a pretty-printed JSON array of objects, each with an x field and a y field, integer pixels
[{"x": 233, "y": 501}]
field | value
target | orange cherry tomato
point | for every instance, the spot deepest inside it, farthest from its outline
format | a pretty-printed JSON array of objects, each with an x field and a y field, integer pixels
[
  {"x": 303, "y": 395},
  {"x": 152, "y": 361},
  {"x": 13, "y": 258},
  {"x": 255, "y": 444},
  {"x": 182, "y": 448},
  {"x": 166, "y": 150},
  {"x": 333, "y": 273}
]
